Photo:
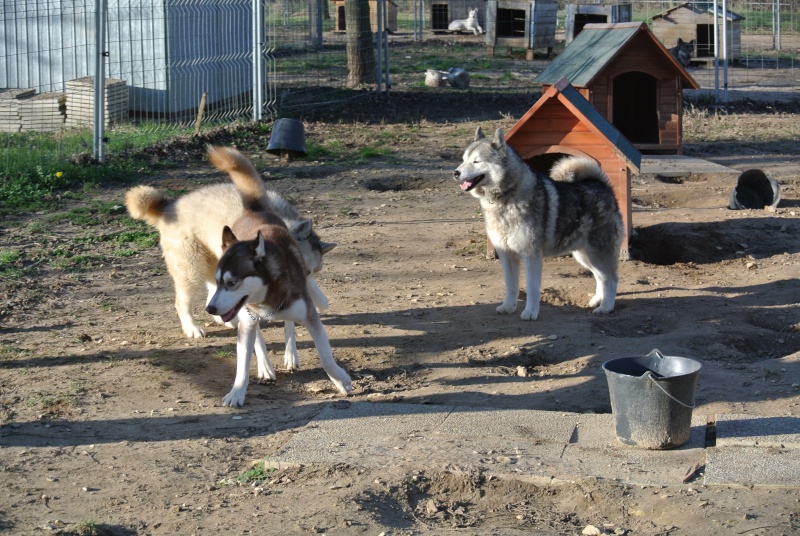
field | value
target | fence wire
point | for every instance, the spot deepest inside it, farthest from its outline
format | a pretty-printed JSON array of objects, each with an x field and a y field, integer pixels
[{"x": 174, "y": 64}]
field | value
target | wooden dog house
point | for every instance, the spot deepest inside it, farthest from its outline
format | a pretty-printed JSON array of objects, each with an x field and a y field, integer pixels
[
  {"x": 695, "y": 22},
  {"x": 625, "y": 72},
  {"x": 443, "y": 12},
  {"x": 521, "y": 24},
  {"x": 579, "y": 15},
  {"x": 389, "y": 16},
  {"x": 562, "y": 122}
]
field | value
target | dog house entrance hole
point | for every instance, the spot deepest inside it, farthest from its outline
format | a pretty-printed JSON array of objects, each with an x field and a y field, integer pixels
[
  {"x": 582, "y": 20},
  {"x": 635, "y": 107},
  {"x": 342, "y": 25},
  {"x": 440, "y": 18},
  {"x": 705, "y": 41},
  {"x": 543, "y": 163},
  {"x": 510, "y": 22}
]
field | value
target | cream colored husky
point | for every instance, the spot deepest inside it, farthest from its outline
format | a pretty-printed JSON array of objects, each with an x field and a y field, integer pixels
[{"x": 190, "y": 228}]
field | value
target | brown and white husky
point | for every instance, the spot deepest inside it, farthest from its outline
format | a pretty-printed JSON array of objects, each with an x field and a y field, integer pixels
[{"x": 262, "y": 276}]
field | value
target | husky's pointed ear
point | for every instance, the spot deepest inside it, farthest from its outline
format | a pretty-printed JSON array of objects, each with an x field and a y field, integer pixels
[
  {"x": 301, "y": 230},
  {"x": 228, "y": 238},
  {"x": 325, "y": 247},
  {"x": 260, "y": 249},
  {"x": 479, "y": 134},
  {"x": 499, "y": 141}
]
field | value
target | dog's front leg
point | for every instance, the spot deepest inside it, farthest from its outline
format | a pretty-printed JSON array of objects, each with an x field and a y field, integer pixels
[
  {"x": 265, "y": 370},
  {"x": 245, "y": 342},
  {"x": 290, "y": 359},
  {"x": 336, "y": 373},
  {"x": 533, "y": 286},
  {"x": 510, "y": 263},
  {"x": 317, "y": 296}
]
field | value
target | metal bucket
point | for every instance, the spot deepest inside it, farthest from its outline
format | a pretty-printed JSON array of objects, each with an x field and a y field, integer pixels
[
  {"x": 652, "y": 398},
  {"x": 287, "y": 139},
  {"x": 755, "y": 189}
]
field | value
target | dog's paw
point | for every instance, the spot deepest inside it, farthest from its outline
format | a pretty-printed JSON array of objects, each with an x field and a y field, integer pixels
[
  {"x": 506, "y": 309},
  {"x": 234, "y": 399},
  {"x": 291, "y": 361},
  {"x": 343, "y": 383},
  {"x": 266, "y": 374},
  {"x": 603, "y": 310},
  {"x": 193, "y": 331},
  {"x": 595, "y": 301},
  {"x": 529, "y": 315}
]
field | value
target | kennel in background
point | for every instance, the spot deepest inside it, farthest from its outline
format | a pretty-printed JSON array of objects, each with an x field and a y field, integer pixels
[
  {"x": 516, "y": 24},
  {"x": 443, "y": 12},
  {"x": 575, "y": 127},
  {"x": 625, "y": 72},
  {"x": 389, "y": 16},
  {"x": 579, "y": 15},
  {"x": 695, "y": 22}
]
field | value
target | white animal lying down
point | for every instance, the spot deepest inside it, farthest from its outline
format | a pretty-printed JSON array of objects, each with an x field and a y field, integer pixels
[{"x": 470, "y": 24}]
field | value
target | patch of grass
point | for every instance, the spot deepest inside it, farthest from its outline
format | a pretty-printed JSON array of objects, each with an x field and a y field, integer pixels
[
  {"x": 506, "y": 77},
  {"x": 87, "y": 528},
  {"x": 79, "y": 263},
  {"x": 50, "y": 404},
  {"x": 10, "y": 263},
  {"x": 8, "y": 351},
  {"x": 770, "y": 373},
  {"x": 223, "y": 354},
  {"x": 365, "y": 153},
  {"x": 474, "y": 248},
  {"x": 317, "y": 151},
  {"x": 257, "y": 475}
]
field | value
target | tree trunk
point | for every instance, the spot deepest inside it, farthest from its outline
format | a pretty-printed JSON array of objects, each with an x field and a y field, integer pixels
[{"x": 360, "y": 46}]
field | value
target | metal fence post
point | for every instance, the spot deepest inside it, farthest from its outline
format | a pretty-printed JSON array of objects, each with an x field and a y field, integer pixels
[
  {"x": 99, "y": 80},
  {"x": 258, "y": 63}
]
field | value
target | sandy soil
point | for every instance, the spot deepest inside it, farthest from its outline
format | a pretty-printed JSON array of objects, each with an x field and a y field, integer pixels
[{"x": 112, "y": 421}]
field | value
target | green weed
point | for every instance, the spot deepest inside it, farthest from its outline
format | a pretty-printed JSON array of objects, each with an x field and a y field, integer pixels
[
  {"x": 257, "y": 475},
  {"x": 10, "y": 263}
]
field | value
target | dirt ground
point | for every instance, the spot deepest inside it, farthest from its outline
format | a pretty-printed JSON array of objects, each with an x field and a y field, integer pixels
[{"x": 112, "y": 421}]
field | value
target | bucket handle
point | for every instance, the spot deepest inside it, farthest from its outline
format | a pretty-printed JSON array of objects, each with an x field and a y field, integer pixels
[{"x": 653, "y": 379}]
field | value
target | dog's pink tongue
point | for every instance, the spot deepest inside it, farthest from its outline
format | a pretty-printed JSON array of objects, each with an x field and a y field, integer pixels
[
  {"x": 465, "y": 185},
  {"x": 229, "y": 315}
]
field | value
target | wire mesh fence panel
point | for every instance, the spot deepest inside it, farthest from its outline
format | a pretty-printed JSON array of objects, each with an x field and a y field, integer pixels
[
  {"x": 174, "y": 64},
  {"x": 750, "y": 48},
  {"x": 307, "y": 52},
  {"x": 172, "y": 53}
]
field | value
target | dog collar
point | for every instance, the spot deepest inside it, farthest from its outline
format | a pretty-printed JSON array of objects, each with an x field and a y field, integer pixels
[{"x": 268, "y": 316}]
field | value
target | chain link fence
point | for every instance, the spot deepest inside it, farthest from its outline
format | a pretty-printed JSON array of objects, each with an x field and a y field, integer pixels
[{"x": 173, "y": 66}]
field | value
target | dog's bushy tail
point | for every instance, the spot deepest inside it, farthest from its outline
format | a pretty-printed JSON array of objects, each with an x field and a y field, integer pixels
[
  {"x": 576, "y": 169},
  {"x": 146, "y": 203},
  {"x": 243, "y": 174}
]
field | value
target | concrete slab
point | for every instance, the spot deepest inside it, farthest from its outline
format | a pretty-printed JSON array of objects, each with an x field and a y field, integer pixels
[
  {"x": 749, "y": 430},
  {"x": 680, "y": 166},
  {"x": 528, "y": 424},
  {"x": 753, "y": 466},
  {"x": 539, "y": 446}
]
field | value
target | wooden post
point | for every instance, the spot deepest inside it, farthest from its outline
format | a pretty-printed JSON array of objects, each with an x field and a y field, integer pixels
[{"x": 200, "y": 111}]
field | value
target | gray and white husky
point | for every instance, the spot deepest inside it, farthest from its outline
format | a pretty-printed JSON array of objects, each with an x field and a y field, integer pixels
[
  {"x": 530, "y": 216},
  {"x": 262, "y": 275}
]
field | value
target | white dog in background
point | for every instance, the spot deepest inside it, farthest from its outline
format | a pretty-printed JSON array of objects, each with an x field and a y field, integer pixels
[{"x": 469, "y": 24}]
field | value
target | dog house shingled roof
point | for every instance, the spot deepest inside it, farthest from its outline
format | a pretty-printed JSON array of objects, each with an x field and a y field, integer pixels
[{"x": 596, "y": 47}]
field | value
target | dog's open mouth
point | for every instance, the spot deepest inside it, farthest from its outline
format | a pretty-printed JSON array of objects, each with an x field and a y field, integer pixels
[
  {"x": 227, "y": 317},
  {"x": 469, "y": 184}
]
